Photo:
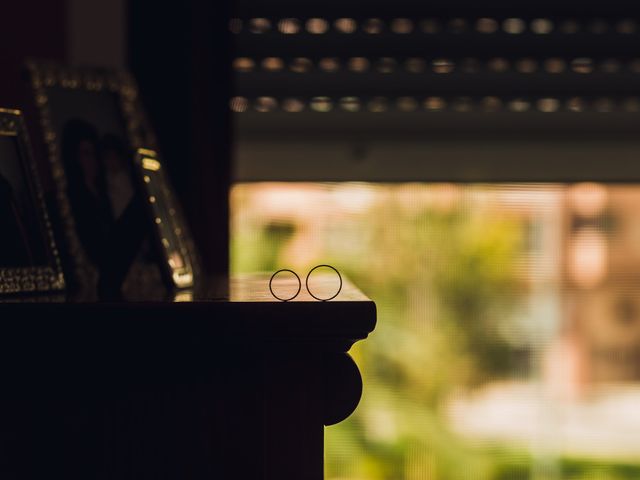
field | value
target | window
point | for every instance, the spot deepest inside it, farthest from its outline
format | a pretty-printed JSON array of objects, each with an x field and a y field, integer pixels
[{"x": 467, "y": 173}]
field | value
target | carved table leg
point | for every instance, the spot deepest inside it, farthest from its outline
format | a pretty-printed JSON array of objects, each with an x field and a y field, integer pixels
[{"x": 304, "y": 391}]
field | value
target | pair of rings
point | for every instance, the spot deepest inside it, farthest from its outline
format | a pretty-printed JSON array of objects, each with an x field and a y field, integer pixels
[{"x": 306, "y": 282}]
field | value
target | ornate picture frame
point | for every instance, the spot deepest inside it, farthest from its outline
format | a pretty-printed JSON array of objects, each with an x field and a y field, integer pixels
[
  {"x": 107, "y": 102},
  {"x": 34, "y": 257},
  {"x": 167, "y": 219}
]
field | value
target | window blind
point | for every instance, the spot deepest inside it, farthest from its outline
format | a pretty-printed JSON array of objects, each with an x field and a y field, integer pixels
[{"x": 446, "y": 94}]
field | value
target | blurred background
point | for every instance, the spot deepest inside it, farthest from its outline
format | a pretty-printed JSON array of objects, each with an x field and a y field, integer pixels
[
  {"x": 473, "y": 169},
  {"x": 508, "y": 336}
]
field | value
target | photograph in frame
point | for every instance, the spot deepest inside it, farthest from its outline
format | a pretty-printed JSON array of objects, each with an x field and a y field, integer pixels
[
  {"x": 29, "y": 260},
  {"x": 92, "y": 123}
]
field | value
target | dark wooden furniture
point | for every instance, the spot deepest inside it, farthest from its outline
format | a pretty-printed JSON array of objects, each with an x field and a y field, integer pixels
[{"x": 229, "y": 384}]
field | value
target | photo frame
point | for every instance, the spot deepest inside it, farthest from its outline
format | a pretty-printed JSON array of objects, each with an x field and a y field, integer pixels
[
  {"x": 93, "y": 123},
  {"x": 29, "y": 260},
  {"x": 166, "y": 219}
]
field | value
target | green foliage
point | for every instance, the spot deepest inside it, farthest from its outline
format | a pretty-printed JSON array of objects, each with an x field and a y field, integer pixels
[
  {"x": 444, "y": 281},
  {"x": 259, "y": 251}
]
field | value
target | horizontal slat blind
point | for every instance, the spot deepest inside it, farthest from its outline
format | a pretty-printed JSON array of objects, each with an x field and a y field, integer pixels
[{"x": 356, "y": 81}]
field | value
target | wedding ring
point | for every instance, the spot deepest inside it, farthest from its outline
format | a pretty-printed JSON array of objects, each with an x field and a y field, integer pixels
[
  {"x": 306, "y": 282},
  {"x": 299, "y": 285}
]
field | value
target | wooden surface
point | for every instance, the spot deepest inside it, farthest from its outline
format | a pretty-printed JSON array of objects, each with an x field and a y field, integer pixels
[
  {"x": 229, "y": 384},
  {"x": 255, "y": 288},
  {"x": 239, "y": 306}
]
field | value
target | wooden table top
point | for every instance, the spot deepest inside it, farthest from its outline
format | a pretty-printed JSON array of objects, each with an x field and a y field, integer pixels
[{"x": 239, "y": 306}]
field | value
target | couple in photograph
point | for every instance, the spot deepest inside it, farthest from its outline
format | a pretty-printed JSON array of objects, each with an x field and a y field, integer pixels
[{"x": 109, "y": 214}]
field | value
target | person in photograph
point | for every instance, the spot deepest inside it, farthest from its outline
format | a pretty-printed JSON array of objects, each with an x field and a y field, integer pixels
[
  {"x": 118, "y": 174},
  {"x": 14, "y": 242},
  {"x": 86, "y": 188},
  {"x": 111, "y": 243}
]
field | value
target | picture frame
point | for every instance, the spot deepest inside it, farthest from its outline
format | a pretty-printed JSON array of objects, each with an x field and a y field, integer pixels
[
  {"x": 99, "y": 110},
  {"x": 166, "y": 219},
  {"x": 29, "y": 259}
]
